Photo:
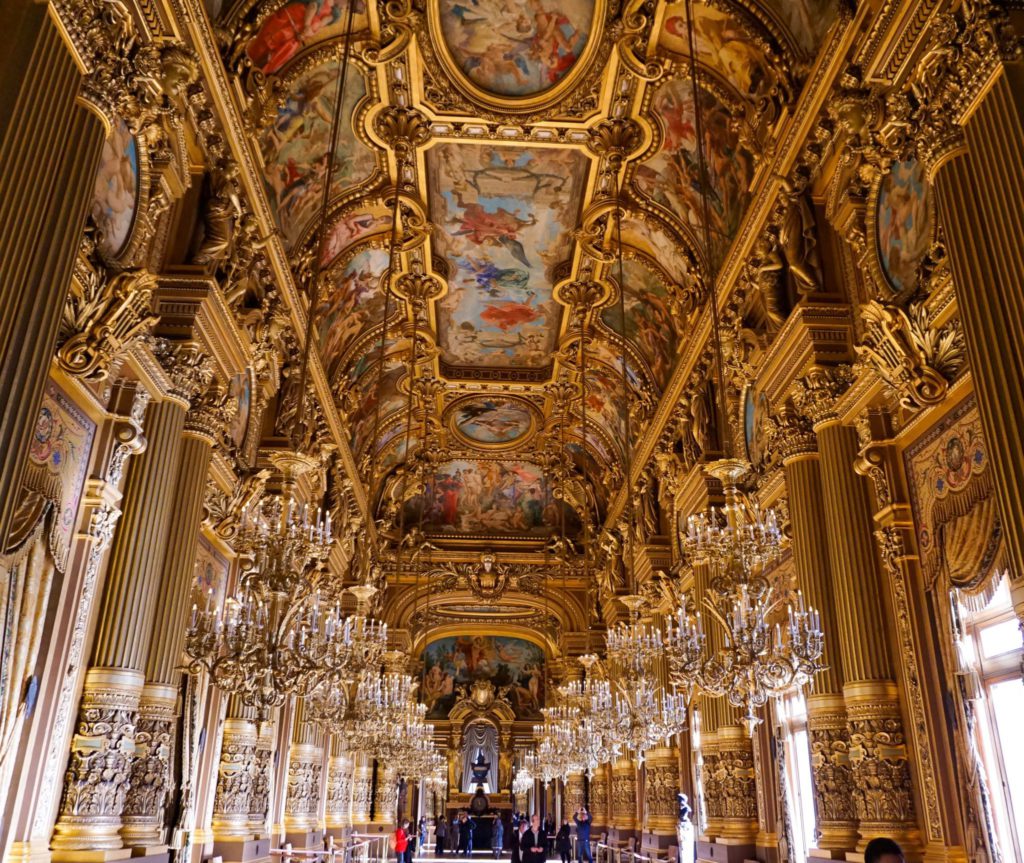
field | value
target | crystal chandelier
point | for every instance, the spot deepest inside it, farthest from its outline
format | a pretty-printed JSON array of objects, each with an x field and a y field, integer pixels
[
  {"x": 272, "y": 638},
  {"x": 763, "y": 654},
  {"x": 557, "y": 754},
  {"x": 526, "y": 775},
  {"x": 596, "y": 740},
  {"x": 643, "y": 715}
]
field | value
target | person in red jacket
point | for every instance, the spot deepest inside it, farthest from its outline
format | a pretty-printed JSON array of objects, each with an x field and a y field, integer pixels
[{"x": 402, "y": 842}]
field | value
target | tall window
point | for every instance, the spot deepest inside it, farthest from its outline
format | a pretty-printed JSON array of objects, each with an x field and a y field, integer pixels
[
  {"x": 799, "y": 783},
  {"x": 991, "y": 647}
]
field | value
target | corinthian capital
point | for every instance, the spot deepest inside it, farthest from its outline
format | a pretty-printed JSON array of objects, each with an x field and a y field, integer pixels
[
  {"x": 819, "y": 390},
  {"x": 791, "y": 434},
  {"x": 189, "y": 369}
]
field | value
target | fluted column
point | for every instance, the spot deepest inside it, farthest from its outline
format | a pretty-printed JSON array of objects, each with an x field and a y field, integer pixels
[
  {"x": 232, "y": 802},
  {"x": 826, "y": 709},
  {"x": 880, "y": 774},
  {"x": 305, "y": 766},
  {"x": 96, "y": 782},
  {"x": 151, "y": 778},
  {"x": 50, "y": 145},
  {"x": 977, "y": 175}
]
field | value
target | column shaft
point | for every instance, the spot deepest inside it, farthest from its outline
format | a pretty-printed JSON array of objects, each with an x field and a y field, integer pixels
[
  {"x": 143, "y": 816},
  {"x": 982, "y": 211},
  {"x": 96, "y": 783},
  {"x": 879, "y": 770},
  {"x": 833, "y": 788},
  {"x": 49, "y": 153}
]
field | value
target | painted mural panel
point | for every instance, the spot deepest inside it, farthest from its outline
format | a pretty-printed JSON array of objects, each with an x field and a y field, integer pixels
[
  {"x": 904, "y": 223},
  {"x": 649, "y": 324},
  {"x": 604, "y": 399},
  {"x": 492, "y": 420},
  {"x": 293, "y": 147},
  {"x": 672, "y": 177},
  {"x": 516, "y": 48},
  {"x": 212, "y": 569},
  {"x": 116, "y": 190},
  {"x": 952, "y": 494},
  {"x": 362, "y": 401},
  {"x": 651, "y": 237},
  {"x": 505, "y": 216},
  {"x": 807, "y": 20},
  {"x": 299, "y": 25},
  {"x": 240, "y": 392},
  {"x": 720, "y": 42},
  {"x": 352, "y": 227},
  {"x": 488, "y": 496},
  {"x": 513, "y": 665},
  {"x": 353, "y": 301},
  {"x": 60, "y": 450}
]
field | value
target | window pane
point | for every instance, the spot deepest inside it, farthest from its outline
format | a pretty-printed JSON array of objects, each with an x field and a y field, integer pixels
[
  {"x": 1007, "y": 700},
  {"x": 999, "y": 638}
]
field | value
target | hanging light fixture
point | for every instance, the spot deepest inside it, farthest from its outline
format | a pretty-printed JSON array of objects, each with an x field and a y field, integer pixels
[
  {"x": 761, "y": 655},
  {"x": 526, "y": 774},
  {"x": 596, "y": 737}
]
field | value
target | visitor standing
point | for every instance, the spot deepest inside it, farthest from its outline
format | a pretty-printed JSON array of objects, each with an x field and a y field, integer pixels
[
  {"x": 533, "y": 842},
  {"x": 497, "y": 837},
  {"x": 582, "y": 819},
  {"x": 440, "y": 834},
  {"x": 423, "y": 831},
  {"x": 562, "y": 841},
  {"x": 401, "y": 841},
  {"x": 455, "y": 836},
  {"x": 517, "y": 840}
]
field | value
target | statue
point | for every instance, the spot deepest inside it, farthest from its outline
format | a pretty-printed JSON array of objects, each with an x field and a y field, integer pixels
[
  {"x": 684, "y": 830},
  {"x": 798, "y": 242},
  {"x": 223, "y": 208}
]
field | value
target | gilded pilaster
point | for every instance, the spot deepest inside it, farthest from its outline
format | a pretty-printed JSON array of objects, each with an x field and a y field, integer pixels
[
  {"x": 573, "y": 793},
  {"x": 97, "y": 779},
  {"x": 340, "y": 781},
  {"x": 236, "y": 773},
  {"x": 262, "y": 771},
  {"x": 361, "y": 790},
  {"x": 624, "y": 800},
  {"x": 305, "y": 766},
  {"x": 737, "y": 785},
  {"x": 385, "y": 797},
  {"x": 599, "y": 797},
  {"x": 661, "y": 784}
]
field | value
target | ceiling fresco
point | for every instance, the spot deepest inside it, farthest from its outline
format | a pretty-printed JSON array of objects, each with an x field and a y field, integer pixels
[
  {"x": 505, "y": 204},
  {"x": 294, "y": 27},
  {"x": 515, "y": 47},
  {"x": 505, "y": 216},
  {"x": 294, "y": 142},
  {"x": 672, "y": 176}
]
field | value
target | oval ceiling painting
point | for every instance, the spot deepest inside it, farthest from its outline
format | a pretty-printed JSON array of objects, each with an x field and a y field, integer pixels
[
  {"x": 492, "y": 421},
  {"x": 516, "y": 48},
  {"x": 116, "y": 190},
  {"x": 904, "y": 223}
]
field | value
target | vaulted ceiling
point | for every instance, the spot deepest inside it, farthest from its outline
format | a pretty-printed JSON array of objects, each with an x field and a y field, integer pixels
[{"x": 504, "y": 227}]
